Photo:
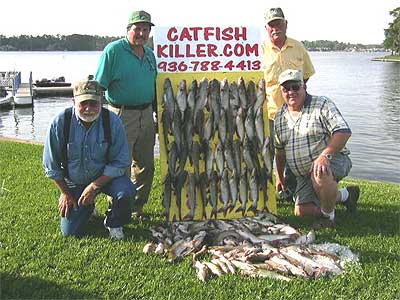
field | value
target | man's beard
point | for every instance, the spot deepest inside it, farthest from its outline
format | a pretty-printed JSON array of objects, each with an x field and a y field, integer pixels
[{"x": 88, "y": 118}]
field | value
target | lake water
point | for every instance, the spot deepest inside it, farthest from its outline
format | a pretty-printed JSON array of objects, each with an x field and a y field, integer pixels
[{"x": 366, "y": 92}]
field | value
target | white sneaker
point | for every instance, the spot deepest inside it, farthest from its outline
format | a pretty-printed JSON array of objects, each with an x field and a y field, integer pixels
[{"x": 116, "y": 233}]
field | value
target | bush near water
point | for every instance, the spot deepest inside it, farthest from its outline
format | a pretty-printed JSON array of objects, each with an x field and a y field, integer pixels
[{"x": 38, "y": 263}]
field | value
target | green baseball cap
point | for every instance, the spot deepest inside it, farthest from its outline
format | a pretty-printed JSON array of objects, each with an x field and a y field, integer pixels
[
  {"x": 274, "y": 13},
  {"x": 140, "y": 16},
  {"x": 87, "y": 90},
  {"x": 290, "y": 75}
]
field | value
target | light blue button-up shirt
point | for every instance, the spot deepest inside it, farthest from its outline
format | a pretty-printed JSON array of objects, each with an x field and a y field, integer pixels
[{"x": 86, "y": 150}]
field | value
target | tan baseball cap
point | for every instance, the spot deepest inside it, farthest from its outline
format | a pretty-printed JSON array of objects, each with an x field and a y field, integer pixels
[
  {"x": 274, "y": 13},
  {"x": 87, "y": 90},
  {"x": 290, "y": 75}
]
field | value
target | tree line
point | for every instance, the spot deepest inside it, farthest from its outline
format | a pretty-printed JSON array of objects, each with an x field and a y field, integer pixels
[
  {"x": 73, "y": 42},
  {"x": 83, "y": 42},
  {"x": 392, "y": 33}
]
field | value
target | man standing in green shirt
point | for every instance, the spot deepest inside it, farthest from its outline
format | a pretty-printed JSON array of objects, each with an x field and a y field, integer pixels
[{"x": 127, "y": 71}]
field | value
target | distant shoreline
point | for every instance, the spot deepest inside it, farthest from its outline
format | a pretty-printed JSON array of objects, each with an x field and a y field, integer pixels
[{"x": 390, "y": 58}]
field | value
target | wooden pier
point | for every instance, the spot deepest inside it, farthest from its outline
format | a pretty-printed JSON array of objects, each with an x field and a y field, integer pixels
[{"x": 23, "y": 96}]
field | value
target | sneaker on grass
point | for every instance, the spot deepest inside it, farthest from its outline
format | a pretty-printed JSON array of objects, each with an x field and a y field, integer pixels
[
  {"x": 116, "y": 233},
  {"x": 352, "y": 201}
]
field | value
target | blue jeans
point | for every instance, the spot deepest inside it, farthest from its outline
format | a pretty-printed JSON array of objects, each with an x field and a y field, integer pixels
[{"x": 120, "y": 189}]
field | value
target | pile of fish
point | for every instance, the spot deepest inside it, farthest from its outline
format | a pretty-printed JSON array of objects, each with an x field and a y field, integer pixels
[
  {"x": 259, "y": 246},
  {"x": 218, "y": 149}
]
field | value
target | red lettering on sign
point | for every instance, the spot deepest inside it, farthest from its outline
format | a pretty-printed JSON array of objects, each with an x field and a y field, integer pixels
[
  {"x": 171, "y": 34},
  {"x": 208, "y": 32},
  {"x": 177, "y": 52},
  {"x": 211, "y": 50},
  {"x": 160, "y": 51},
  {"x": 195, "y": 31},
  {"x": 227, "y": 34},
  {"x": 252, "y": 49},
  {"x": 227, "y": 50},
  {"x": 241, "y": 33},
  {"x": 185, "y": 34},
  {"x": 200, "y": 50},
  {"x": 188, "y": 52}
]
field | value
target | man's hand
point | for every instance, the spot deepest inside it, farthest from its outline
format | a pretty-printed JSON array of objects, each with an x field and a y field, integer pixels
[
  {"x": 280, "y": 184},
  {"x": 320, "y": 166},
  {"x": 89, "y": 195},
  {"x": 66, "y": 204}
]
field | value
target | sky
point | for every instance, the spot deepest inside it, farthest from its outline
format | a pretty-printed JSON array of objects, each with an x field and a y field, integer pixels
[{"x": 341, "y": 20}]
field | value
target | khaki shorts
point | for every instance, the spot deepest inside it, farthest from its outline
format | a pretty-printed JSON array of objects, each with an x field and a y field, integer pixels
[{"x": 340, "y": 167}]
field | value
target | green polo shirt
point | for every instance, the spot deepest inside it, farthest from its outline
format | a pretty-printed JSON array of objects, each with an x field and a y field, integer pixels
[{"x": 127, "y": 79}]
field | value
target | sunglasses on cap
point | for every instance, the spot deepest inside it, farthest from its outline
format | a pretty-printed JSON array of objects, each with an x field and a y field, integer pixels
[{"x": 294, "y": 86}]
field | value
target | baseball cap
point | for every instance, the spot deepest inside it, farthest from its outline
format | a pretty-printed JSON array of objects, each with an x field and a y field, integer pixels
[
  {"x": 140, "y": 16},
  {"x": 290, "y": 75},
  {"x": 274, "y": 13},
  {"x": 87, "y": 90}
]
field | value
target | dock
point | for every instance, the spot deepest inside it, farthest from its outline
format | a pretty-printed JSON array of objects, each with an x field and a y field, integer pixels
[{"x": 23, "y": 95}]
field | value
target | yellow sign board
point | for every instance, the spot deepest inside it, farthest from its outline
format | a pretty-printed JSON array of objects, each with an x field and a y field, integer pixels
[{"x": 203, "y": 188}]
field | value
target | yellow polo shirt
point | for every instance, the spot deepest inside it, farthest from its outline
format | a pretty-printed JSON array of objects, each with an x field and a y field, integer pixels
[{"x": 293, "y": 55}]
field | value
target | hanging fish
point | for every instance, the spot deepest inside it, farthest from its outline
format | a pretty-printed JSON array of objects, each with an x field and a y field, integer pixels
[
  {"x": 251, "y": 92},
  {"x": 168, "y": 98},
  {"x": 225, "y": 193},
  {"x": 243, "y": 192},
  {"x": 253, "y": 187},
  {"x": 260, "y": 94},
  {"x": 244, "y": 103},
  {"x": 224, "y": 90},
  {"x": 214, "y": 194},
  {"x": 178, "y": 184},
  {"x": 192, "y": 96},
  {"x": 191, "y": 196},
  {"x": 259, "y": 124},
  {"x": 181, "y": 98}
]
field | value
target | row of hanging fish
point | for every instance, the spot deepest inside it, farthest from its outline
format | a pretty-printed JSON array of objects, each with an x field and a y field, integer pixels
[
  {"x": 217, "y": 148},
  {"x": 258, "y": 246}
]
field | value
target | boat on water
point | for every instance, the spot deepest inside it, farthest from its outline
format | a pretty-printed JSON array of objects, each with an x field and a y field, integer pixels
[
  {"x": 55, "y": 82},
  {"x": 6, "y": 98}
]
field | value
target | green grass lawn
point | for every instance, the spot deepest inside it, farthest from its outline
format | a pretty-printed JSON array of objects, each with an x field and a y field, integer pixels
[{"x": 37, "y": 262}]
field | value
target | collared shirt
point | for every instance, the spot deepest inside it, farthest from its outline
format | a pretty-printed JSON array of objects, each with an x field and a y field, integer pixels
[
  {"x": 128, "y": 79},
  {"x": 293, "y": 55},
  {"x": 86, "y": 150},
  {"x": 305, "y": 137}
]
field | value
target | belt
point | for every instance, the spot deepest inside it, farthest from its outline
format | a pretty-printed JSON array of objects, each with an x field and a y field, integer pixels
[{"x": 131, "y": 107}]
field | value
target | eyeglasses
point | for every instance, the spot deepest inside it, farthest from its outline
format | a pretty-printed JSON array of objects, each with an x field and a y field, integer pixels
[{"x": 291, "y": 86}]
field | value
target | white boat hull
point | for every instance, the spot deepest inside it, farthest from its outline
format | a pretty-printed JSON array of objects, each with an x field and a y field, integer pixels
[{"x": 6, "y": 101}]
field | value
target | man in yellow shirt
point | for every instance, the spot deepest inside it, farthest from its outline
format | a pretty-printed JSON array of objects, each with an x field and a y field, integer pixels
[{"x": 281, "y": 53}]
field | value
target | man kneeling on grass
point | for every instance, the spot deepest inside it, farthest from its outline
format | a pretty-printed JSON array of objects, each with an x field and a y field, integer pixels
[
  {"x": 310, "y": 136},
  {"x": 85, "y": 153}
]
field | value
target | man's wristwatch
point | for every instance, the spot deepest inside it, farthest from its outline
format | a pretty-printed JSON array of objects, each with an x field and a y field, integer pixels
[{"x": 327, "y": 156}]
